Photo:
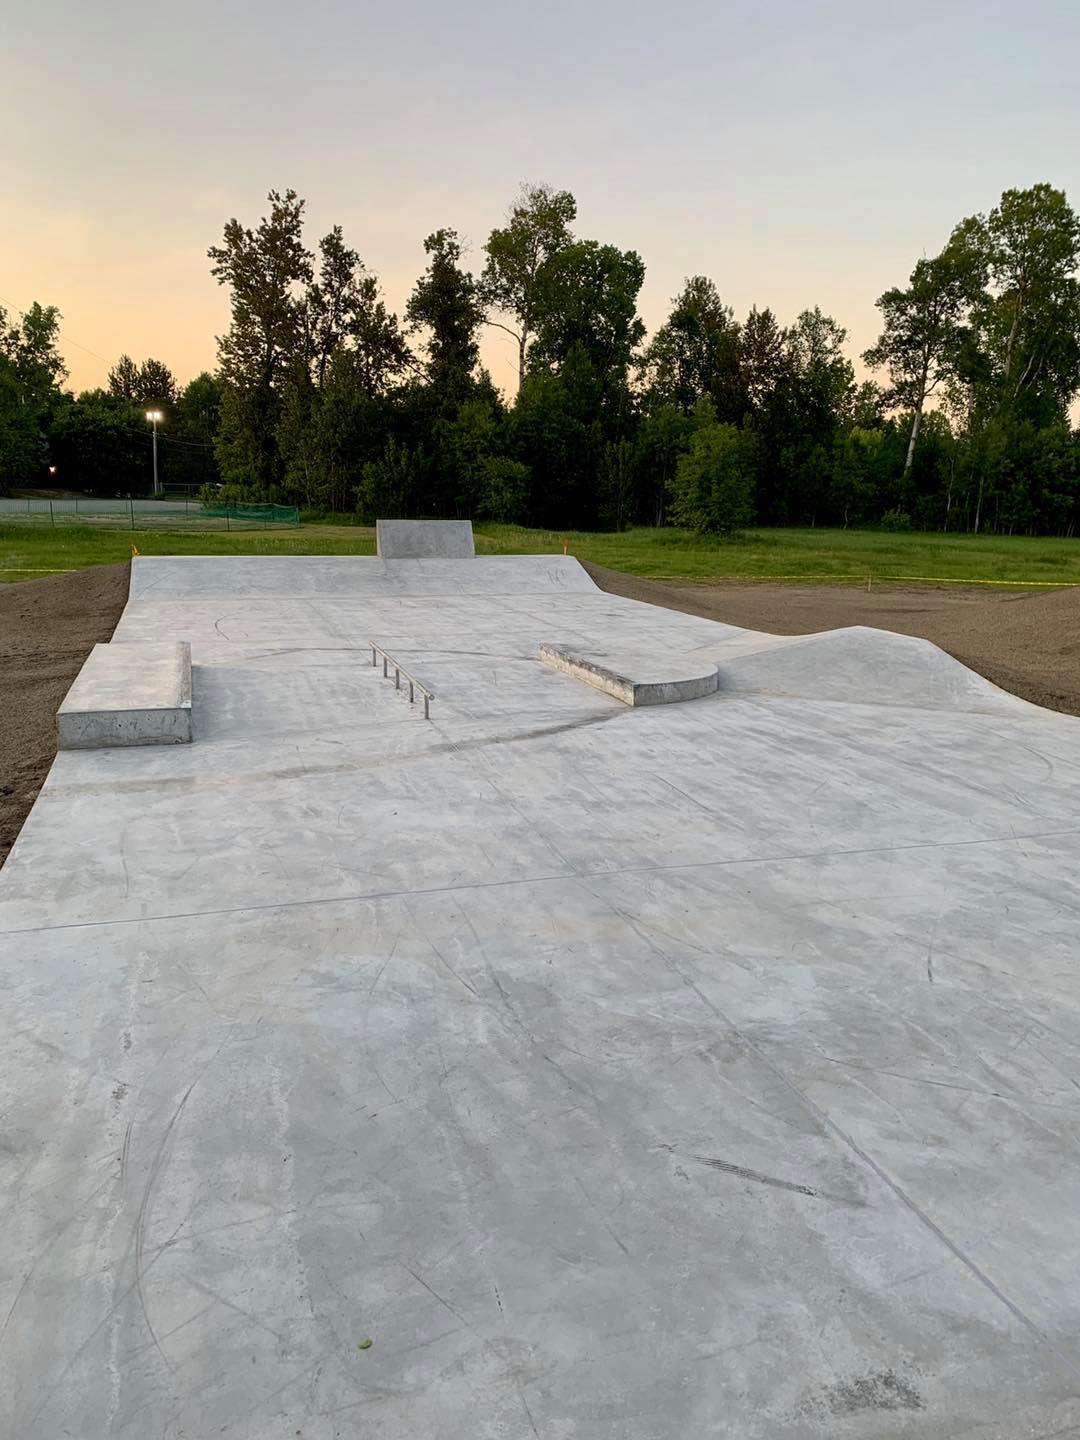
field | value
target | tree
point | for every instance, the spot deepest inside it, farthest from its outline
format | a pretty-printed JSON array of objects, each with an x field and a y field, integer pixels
[
  {"x": 924, "y": 330},
  {"x": 763, "y": 360},
  {"x": 504, "y": 489},
  {"x": 446, "y": 305},
  {"x": 714, "y": 481},
  {"x": 552, "y": 436},
  {"x": 462, "y": 447},
  {"x": 124, "y": 379},
  {"x": 263, "y": 269},
  {"x": 615, "y": 485},
  {"x": 189, "y": 439},
  {"x": 31, "y": 372},
  {"x": 151, "y": 383},
  {"x": 101, "y": 444},
  {"x": 22, "y": 442},
  {"x": 157, "y": 384},
  {"x": 695, "y": 353},
  {"x": 585, "y": 299},
  {"x": 389, "y": 484},
  {"x": 330, "y": 301},
  {"x": 378, "y": 350},
  {"x": 537, "y": 228},
  {"x": 663, "y": 435},
  {"x": 1033, "y": 244},
  {"x": 31, "y": 346}
]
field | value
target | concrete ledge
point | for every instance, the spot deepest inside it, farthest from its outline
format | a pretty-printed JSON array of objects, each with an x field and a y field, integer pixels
[
  {"x": 128, "y": 695},
  {"x": 424, "y": 539},
  {"x": 636, "y": 679}
]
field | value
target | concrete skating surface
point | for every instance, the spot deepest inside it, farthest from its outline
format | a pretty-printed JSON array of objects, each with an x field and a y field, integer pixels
[
  {"x": 694, "y": 1070},
  {"x": 424, "y": 539}
]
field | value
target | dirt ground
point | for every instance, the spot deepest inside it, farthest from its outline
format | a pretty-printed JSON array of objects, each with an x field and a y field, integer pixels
[
  {"x": 47, "y": 628},
  {"x": 1025, "y": 642}
]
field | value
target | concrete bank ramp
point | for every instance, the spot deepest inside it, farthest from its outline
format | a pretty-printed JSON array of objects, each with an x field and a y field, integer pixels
[
  {"x": 228, "y": 577},
  {"x": 859, "y": 665},
  {"x": 424, "y": 539}
]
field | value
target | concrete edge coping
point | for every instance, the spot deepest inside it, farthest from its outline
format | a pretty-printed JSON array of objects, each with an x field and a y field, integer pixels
[
  {"x": 636, "y": 680},
  {"x": 128, "y": 694}
]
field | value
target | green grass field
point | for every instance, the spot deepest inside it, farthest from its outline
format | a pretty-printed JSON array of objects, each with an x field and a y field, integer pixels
[{"x": 827, "y": 555}]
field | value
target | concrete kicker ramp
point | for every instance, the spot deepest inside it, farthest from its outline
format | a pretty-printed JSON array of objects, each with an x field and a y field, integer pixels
[
  {"x": 636, "y": 678},
  {"x": 424, "y": 539},
  {"x": 660, "y": 1072}
]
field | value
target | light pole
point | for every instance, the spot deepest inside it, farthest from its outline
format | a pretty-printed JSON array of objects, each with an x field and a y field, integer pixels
[{"x": 154, "y": 416}]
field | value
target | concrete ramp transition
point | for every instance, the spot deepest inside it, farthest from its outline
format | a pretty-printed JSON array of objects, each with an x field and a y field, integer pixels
[{"x": 424, "y": 539}]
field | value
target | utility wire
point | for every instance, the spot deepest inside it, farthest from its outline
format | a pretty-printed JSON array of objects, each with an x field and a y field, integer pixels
[
  {"x": 165, "y": 439},
  {"x": 67, "y": 338}
]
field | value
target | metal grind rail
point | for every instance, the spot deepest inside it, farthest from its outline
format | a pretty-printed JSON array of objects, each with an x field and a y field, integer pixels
[{"x": 388, "y": 664}]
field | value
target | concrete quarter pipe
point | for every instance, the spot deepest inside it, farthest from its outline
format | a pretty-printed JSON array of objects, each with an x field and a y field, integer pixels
[{"x": 700, "y": 1069}]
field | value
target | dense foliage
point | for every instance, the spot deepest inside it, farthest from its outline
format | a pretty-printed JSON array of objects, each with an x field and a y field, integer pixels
[{"x": 325, "y": 398}]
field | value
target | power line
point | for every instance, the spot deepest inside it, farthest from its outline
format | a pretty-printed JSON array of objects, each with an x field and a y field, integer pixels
[
  {"x": 67, "y": 338},
  {"x": 167, "y": 439}
]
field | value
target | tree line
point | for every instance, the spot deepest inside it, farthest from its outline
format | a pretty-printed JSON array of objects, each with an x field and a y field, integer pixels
[{"x": 325, "y": 398}]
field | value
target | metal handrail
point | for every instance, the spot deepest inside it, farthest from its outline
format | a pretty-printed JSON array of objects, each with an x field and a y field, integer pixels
[{"x": 399, "y": 671}]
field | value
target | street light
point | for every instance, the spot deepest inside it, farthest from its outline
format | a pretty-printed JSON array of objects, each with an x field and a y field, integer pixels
[{"x": 154, "y": 416}]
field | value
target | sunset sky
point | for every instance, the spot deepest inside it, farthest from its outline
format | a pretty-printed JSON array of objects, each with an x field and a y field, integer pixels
[{"x": 798, "y": 153}]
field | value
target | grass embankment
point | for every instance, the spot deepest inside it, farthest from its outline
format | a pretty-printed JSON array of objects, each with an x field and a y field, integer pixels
[
  {"x": 766, "y": 554},
  {"x": 26, "y": 551},
  {"x": 812, "y": 555}
]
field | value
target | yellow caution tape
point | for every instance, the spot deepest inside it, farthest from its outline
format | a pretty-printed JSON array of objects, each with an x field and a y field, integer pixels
[{"x": 877, "y": 579}]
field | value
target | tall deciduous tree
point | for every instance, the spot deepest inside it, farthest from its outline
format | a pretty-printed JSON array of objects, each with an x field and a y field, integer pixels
[
  {"x": 924, "y": 329},
  {"x": 714, "y": 486},
  {"x": 763, "y": 360},
  {"x": 31, "y": 346},
  {"x": 31, "y": 373},
  {"x": 1033, "y": 244},
  {"x": 537, "y": 227},
  {"x": 586, "y": 300},
  {"x": 265, "y": 269},
  {"x": 696, "y": 353}
]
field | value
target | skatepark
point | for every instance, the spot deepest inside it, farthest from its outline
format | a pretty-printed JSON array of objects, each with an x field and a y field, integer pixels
[{"x": 673, "y": 1034}]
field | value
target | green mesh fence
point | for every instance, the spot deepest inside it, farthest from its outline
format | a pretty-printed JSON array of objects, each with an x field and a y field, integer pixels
[{"x": 171, "y": 513}]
